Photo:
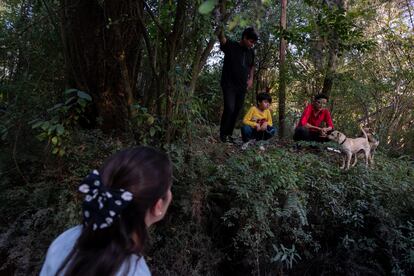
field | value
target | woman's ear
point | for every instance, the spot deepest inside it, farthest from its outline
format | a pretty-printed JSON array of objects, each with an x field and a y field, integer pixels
[
  {"x": 158, "y": 208},
  {"x": 155, "y": 213}
]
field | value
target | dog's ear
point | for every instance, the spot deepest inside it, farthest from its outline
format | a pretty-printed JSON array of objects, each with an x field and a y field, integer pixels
[{"x": 329, "y": 131}]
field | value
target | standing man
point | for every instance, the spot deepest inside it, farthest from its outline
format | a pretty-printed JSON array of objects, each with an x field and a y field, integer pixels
[{"x": 236, "y": 78}]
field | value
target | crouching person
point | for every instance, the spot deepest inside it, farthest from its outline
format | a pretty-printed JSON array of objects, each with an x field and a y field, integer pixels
[
  {"x": 315, "y": 115},
  {"x": 257, "y": 123}
]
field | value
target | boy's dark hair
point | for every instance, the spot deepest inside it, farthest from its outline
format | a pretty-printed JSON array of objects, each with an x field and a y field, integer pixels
[
  {"x": 250, "y": 33},
  {"x": 321, "y": 96},
  {"x": 263, "y": 96}
]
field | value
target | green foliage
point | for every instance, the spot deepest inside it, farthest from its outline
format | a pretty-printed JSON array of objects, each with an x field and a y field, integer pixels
[
  {"x": 207, "y": 6},
  {"x": 209, "y": 95},
  {"x": 287, "y": 256},
  {"x": 254, "y": 212},
  {"x": 63, "y": 116},
  {"x": 277, "y": 212},
  {"x": 145, "y": 125}
]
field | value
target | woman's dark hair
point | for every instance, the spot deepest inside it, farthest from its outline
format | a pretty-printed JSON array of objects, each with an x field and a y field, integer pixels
[
  {"x": 263, "y": 96},
  {"x": 321, "y": 96},
  {"x": 250, "y": 33},
  {"x": 147, "y": 174}
]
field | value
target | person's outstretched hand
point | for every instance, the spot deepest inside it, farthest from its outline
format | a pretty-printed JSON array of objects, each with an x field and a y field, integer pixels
[{"x": 249, "y": 83}]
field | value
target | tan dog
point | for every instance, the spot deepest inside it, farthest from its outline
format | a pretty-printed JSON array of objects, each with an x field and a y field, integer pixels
[
  {"x": 350, "y": 146},
  {"x": 373, "y": 143}
]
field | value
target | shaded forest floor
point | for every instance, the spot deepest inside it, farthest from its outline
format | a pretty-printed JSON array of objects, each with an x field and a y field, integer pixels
[{"x": 278, "y": 211}]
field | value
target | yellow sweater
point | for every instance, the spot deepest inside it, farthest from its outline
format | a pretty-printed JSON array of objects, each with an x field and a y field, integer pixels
[{"x": 255, "y": 115}]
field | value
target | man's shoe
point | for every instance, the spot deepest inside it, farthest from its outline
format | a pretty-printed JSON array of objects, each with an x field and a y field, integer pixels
[
  {"x": 297, "y": 147},
  {"x": 223, "y": 139},
  {"x": 230, "y": 140},
  {"x": 261, "y": 145},
  {"x": 245, "y": 146}
]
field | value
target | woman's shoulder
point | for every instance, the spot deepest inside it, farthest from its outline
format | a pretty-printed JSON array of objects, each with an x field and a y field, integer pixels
[
  {"x": 59, "y": 249},
  {"x": 65, "y": 241},
  {"x": 136, "y": 267},
  {"x": 67, "y": 238}
]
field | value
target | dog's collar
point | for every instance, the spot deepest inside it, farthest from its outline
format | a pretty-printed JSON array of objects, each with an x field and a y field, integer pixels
[{"x": 343, "y": 141}]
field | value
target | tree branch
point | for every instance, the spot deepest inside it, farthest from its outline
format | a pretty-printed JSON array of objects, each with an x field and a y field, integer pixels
[
  {"x": 148, "y": 45},
  {"x": 157, "y": 23}
]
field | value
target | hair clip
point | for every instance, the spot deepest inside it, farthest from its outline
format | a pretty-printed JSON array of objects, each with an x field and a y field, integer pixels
[{"x": 101, "y": 205}]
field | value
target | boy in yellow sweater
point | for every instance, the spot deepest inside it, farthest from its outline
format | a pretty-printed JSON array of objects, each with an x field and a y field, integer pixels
[{"x": 258, "y": 121}]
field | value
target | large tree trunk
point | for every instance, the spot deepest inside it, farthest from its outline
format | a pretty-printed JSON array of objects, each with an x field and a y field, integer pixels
[
  {"x": 330, "y": 70},
  {"x": 101, "y": 40},
  {"x": 282, "y": 70}
]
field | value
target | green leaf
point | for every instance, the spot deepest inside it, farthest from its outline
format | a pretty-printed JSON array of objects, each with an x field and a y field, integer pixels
[
  {"x": 38, "y": 124},
  {"x": 233, "y": 23},
  {"x": 207, "y": 6},
  {"x": 69, "y": 100},
  {"x": 61, "y": 152},
  {"x": 54, "y": 140},
  {"x": 150, "y": 120},
  {"x": 56, "y": 106},
  {"x": 70, "y": 90},
  {"x": 42, "y": 136},
  {"x": 84, "y": 95},
  {"x": 45, "y": 125},
  {"x": 152, "y": 131},
  {"x": 244, "y": 23},
  {"x": 60, "y": 129},
  {"x": 82, "y": 103}
]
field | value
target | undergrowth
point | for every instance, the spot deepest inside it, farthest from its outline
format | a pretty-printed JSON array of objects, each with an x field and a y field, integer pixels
[{"x": 276, "y": 212}]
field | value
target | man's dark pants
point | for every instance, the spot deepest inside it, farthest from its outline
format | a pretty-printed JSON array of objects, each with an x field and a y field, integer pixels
[
  {"x": 304, "y": 134},
  {"x": 233, "y": 102}
]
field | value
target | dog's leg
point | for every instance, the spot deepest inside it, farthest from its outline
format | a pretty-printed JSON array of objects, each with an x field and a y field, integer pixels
[
  {"x": 372, "y": 157},
  {"x": 356, "y": 158},
  {"x": 367, "y": 157},
  {"x": 348, "y": 159},
  {"x": 343, "y": 161}
]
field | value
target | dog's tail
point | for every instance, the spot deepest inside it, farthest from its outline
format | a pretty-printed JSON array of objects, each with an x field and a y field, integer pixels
[{"x": 363, "y": 131}]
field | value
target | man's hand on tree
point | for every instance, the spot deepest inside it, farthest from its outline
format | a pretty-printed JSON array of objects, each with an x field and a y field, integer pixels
[{"x": 249, "y": 83}]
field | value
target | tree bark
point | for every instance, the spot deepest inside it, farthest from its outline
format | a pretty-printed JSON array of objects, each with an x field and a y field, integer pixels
[
  {"x": 330, "y": 71},
  {"x": 282, "y": 70},
  {"x": 101, "y": 46},
  {"x": 333, "y": 50}
]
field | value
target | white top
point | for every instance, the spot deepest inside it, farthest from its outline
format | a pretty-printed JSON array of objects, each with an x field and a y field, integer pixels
[{"x": 63, "y": 245}]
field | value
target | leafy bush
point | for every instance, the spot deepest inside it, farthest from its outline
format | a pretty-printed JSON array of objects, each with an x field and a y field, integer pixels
[{"x": 252, "y": 212}]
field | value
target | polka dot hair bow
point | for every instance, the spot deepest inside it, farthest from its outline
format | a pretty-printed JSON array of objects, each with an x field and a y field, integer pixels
[{"x": 101, "y": 205}]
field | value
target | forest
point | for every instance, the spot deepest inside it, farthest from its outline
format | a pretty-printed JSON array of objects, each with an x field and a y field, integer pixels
[{"x": 80, "y": 80}]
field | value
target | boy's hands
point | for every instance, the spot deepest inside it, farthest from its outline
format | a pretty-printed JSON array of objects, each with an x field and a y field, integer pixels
[{"x": 261, "y": 127}]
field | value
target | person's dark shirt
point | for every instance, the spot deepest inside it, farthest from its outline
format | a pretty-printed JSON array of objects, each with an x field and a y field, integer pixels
[{"x": 238, "y": 61}]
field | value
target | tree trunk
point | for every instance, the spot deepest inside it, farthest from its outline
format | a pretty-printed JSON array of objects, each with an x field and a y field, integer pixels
[
  {"x": 333, "y": 50},
  {"x": 200, "y": 60},
  {"x": 282, "y": 70},
  {"x": 173, "y": 42},
  {"x": 101, "y": 47},
  {"x": 330, "y": 70}
]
